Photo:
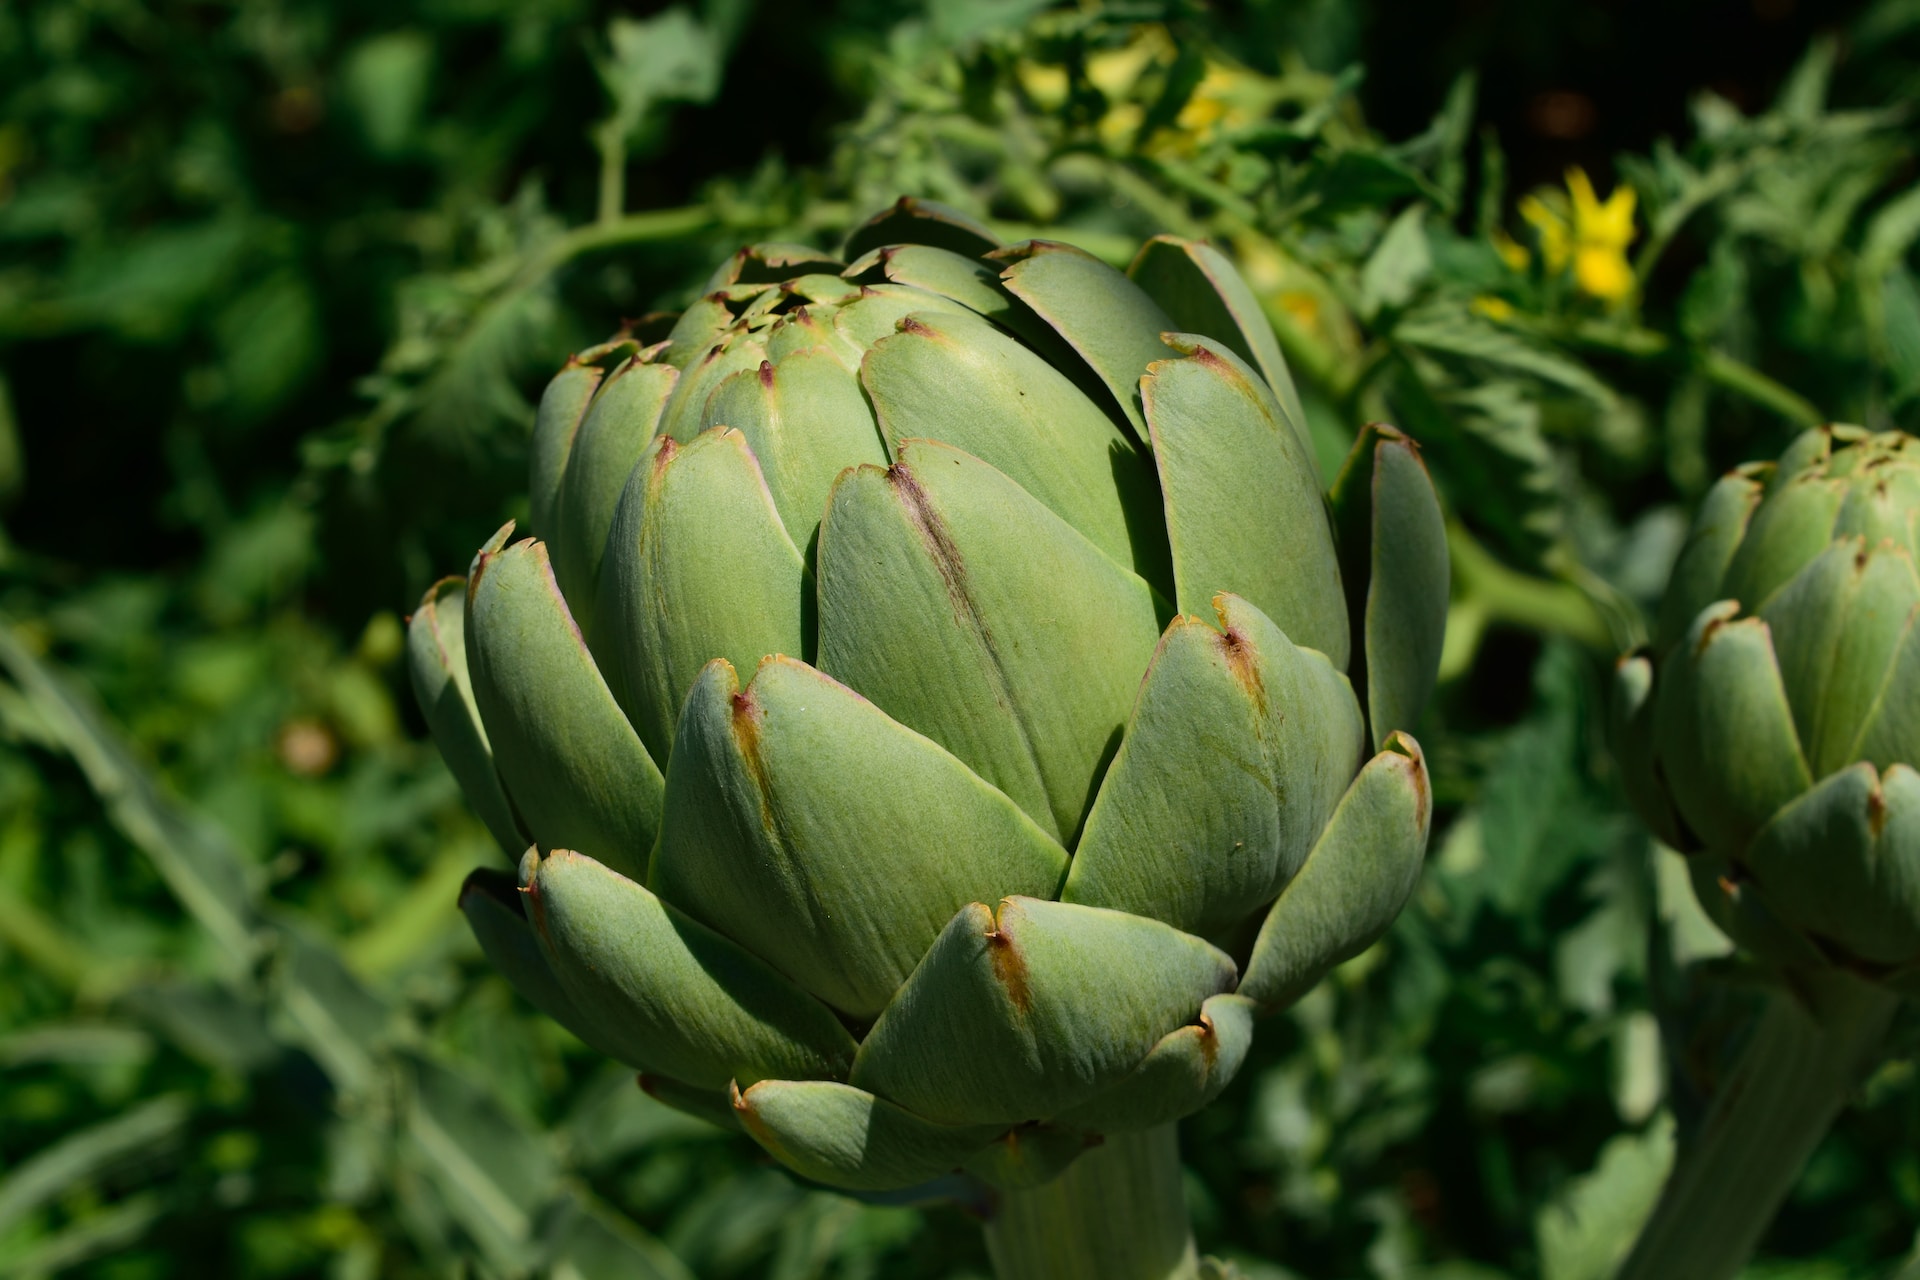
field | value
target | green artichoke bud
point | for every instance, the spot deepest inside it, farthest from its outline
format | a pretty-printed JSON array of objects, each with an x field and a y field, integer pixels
[
  {"x": 942, "y": 703},
  {"x": 1772, "y": 731}
]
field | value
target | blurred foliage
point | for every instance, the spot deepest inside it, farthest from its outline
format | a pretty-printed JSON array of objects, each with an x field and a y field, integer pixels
[{"x": 276, "y": 282}]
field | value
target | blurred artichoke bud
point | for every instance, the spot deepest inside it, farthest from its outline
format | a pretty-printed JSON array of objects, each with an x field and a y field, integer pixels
[
  {"x": 941, "y": 702},
  {"x": 1772, "y": 731}
]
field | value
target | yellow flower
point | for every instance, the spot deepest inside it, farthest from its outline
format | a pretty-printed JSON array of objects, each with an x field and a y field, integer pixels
[
  {"x": 1592, "y": 236},
  {"x": 1604, "y": 273},
  {"x": 1494, "y": 309},
  {"x": 1601, "y": 234}
]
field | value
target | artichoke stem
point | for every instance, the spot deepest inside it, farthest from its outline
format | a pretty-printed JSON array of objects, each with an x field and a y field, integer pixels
[
  {"x": 1119, "y": 1212},
  {"x": 1790, "y": 1083}
]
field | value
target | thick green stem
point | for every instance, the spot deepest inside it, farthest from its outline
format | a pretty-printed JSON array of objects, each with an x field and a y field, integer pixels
[
  {"x": 1486, "y": 592},
  {"x": 1766, "y": 1119},
  {"x": 1119, "y": 1212}
]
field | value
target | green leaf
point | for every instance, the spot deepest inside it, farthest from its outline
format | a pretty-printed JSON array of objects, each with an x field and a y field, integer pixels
[
  {"x": 1104, "y": 316},
  {"x": 437, "y": 664},
  {"x": 1354, "y": 882},
  {"x": 1727, "y": 742},
  {"x": 805, "y": 419},
  {"x": 1900, "y": 310},
  {"x": 151, "y": 1129},
  {"x": 1244, "y": 513},
  {"x": 1394, "y": 565},
  {"x": 973, "y": 284},
  {"x": 494, "y": 1175},
  {"x": 195, "y": 858},
  {"x": 591, "y": 1240},
  {"x": 673, "y": 996},
  {"x": 384, "y": 81},
  {"x": 1803, "y": 98},
  {"x": 775, "y": 816},
  {"x": 1398, "y": 266},
  {"x": 1584, "y": 1233},
  {"x": 332, "y": 1015},
  {"x": 110, "y": 1232},
  {"x": 969, "y": 612},
  {"x": 1183, "y": 1073},
  {"x": 1630, "y": 730},
  {"x": 1449, "y": 331},
  {"x": 1202, "y": 293},
  {"x": 845, "y": 1137},
  {"x": 685, "y": 415},
  {"x": 563, "y": 405},
  {"x": 1020, "y": 1014},
  {"x": 667, "y": 58},
  {"x": 271, "y": 344},
  {"x": 572, "y": 764},
  {"x": 1792, "y": 526},
  {"x": 962, "y": 381},
  {"x": 490, "y": 900},
  {"x": 613, "y": 435},
  {"x": 698, "y": 567},
  {"x": 1842, "y": 863},
  {"x": 1838, "y": 628},
  {"x": 1239, "y": 747},
  {"x": 1701, "y": 568}
]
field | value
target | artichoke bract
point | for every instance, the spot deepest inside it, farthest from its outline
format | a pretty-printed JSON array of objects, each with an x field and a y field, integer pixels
[
  {"x": 942, "y": 704},
  {"x": 1772, "y": 731}
]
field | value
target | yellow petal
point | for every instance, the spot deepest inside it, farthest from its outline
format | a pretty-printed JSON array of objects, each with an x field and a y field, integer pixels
[
  {"x": 1585, "y": 203},
  {"x": 1602, "y": 272},
  {"x": 1614, "y": 224},
  {"x": 1495, "y": 309},
  {"x": 1610, "y": 224}
]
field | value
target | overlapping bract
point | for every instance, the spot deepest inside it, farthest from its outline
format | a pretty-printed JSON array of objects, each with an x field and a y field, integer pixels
[
  {"x": 927, "y": 698},
  {"x": 1773, "y": 731}
]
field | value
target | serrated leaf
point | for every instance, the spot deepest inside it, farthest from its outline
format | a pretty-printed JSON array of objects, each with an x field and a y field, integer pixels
[
  {"x": 493, "y": 1173},
  {"x": 1585, "y": 1232},
  {"x": 1398, "y": 265},
  {"x": 1450, "y": 332},
  {"x": 82, "y": 1157}
]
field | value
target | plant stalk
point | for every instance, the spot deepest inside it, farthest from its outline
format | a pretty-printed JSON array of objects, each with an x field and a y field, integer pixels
[
  {"x": 1790, "y": 1083},
  {"x": 1119, "y": 1212}
]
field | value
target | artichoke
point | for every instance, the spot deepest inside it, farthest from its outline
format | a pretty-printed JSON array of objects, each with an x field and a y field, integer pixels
[
  {"x": 942, "y": 704},
  {"x": 1772, "y": 731}
]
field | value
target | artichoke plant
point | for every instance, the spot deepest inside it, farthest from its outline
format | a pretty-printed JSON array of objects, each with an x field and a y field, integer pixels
[
  {"x": 939, "y": 705},
  {"x": 1771, "y": 734}
]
